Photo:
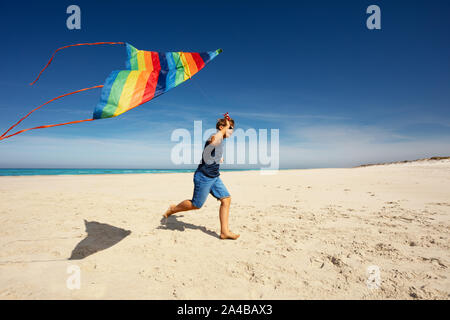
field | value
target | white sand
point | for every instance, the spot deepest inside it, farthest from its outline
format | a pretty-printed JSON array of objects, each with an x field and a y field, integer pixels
[{"x": 304, "y": 234}]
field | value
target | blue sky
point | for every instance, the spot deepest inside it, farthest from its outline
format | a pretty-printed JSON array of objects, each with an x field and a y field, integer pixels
[{"x": 340, "y": 94}]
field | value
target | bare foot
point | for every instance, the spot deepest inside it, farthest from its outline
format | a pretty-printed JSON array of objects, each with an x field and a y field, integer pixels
[
  {"x": 229, "y": 235},
  {"x": 169, "y": 211}
]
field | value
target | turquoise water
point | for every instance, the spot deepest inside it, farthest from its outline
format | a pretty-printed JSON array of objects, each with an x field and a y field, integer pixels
[{"x": 47, "y": 172}]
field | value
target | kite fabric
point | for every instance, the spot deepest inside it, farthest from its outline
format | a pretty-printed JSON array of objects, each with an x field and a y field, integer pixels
[{"x": 148, "y": 74}]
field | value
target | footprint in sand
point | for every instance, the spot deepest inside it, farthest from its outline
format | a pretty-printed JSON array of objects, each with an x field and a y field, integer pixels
[{"x": 440, "y": 204}]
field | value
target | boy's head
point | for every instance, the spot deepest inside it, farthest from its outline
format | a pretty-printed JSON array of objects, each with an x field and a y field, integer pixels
[{"x": 221, "y": 123}]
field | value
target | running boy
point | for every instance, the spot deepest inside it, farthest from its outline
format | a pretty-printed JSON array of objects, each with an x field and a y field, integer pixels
[{"x": 207, "y": 180}]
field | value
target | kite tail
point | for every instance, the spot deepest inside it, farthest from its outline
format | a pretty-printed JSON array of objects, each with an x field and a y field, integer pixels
[
  {"x": 72, "y": 45},
  {"x": 47, "y": 126},
  {"x": 4, "y": 136}
]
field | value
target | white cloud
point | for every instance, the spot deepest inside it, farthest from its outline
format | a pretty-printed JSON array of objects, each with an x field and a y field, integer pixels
[{"x": 351, "y": 145}]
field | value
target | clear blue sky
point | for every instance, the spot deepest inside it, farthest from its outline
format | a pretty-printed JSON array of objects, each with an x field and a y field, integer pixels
[{"x": 339, "y": 93}]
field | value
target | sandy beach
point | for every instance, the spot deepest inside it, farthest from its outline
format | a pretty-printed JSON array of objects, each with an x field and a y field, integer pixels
[{"x": 305, "y": 234}]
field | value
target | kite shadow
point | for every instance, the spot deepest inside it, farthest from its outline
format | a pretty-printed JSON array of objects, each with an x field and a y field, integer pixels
[
  {"x": 100, "y": 236},
  {"x": 173, "y": 224}
]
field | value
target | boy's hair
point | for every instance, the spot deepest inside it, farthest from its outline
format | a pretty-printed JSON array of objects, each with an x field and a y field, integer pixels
[{"x": 223, "y": 122}]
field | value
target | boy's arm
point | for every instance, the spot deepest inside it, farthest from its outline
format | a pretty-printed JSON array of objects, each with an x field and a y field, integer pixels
[{"x": 218, "y": 137}]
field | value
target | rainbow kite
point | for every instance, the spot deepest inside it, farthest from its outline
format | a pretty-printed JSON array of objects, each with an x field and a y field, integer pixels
[{"x": 148, "y": 74}]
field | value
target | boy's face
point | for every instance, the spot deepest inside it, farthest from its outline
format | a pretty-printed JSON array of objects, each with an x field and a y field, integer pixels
[{"x": 228, "y": 132}]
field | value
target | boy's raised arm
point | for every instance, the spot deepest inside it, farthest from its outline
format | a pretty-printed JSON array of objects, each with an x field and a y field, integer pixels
[{"x": 218, "y": 137}]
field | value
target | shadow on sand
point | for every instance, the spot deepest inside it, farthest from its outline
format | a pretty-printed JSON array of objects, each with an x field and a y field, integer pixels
[
  {"x": 172, "y": 223},
  {"x": 100, "y": 236}
]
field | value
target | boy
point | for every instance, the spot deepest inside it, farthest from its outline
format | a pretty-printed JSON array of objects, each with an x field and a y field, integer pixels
[{"x": 207, "y": 180}]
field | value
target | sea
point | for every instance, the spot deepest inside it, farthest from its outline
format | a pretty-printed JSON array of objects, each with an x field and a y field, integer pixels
[{"x": 52, "y": 172}]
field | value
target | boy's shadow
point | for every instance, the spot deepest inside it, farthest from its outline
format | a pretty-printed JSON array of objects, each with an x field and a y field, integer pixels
[
  {"x": 100, "y": 236},
  {"x": 172, "y": 223}
]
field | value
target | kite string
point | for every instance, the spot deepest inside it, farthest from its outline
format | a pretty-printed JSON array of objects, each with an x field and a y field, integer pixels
[
  {"x": 72, "y": 45},
  {"x": 210, "y": 100},
  {"x": 191, "y": 78},
  {"x": 3, "y": 136}
]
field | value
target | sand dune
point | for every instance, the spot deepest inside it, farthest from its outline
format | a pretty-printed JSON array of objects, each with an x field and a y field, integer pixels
[{"x": 305, "y": 234}]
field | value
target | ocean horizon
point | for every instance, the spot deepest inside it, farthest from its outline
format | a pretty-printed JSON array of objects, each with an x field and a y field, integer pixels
[{"x": 75, "y": 171}]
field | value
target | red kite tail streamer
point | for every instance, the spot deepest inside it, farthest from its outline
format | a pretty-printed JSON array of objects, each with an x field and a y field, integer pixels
[
  {"x": 72, "y": 45},
  {"x": 4, "y": 136},
  {"x": 47, "y": 126}
]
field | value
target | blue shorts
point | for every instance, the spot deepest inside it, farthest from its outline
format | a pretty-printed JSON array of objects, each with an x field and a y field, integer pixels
[{"x": 204, "y": 185}]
